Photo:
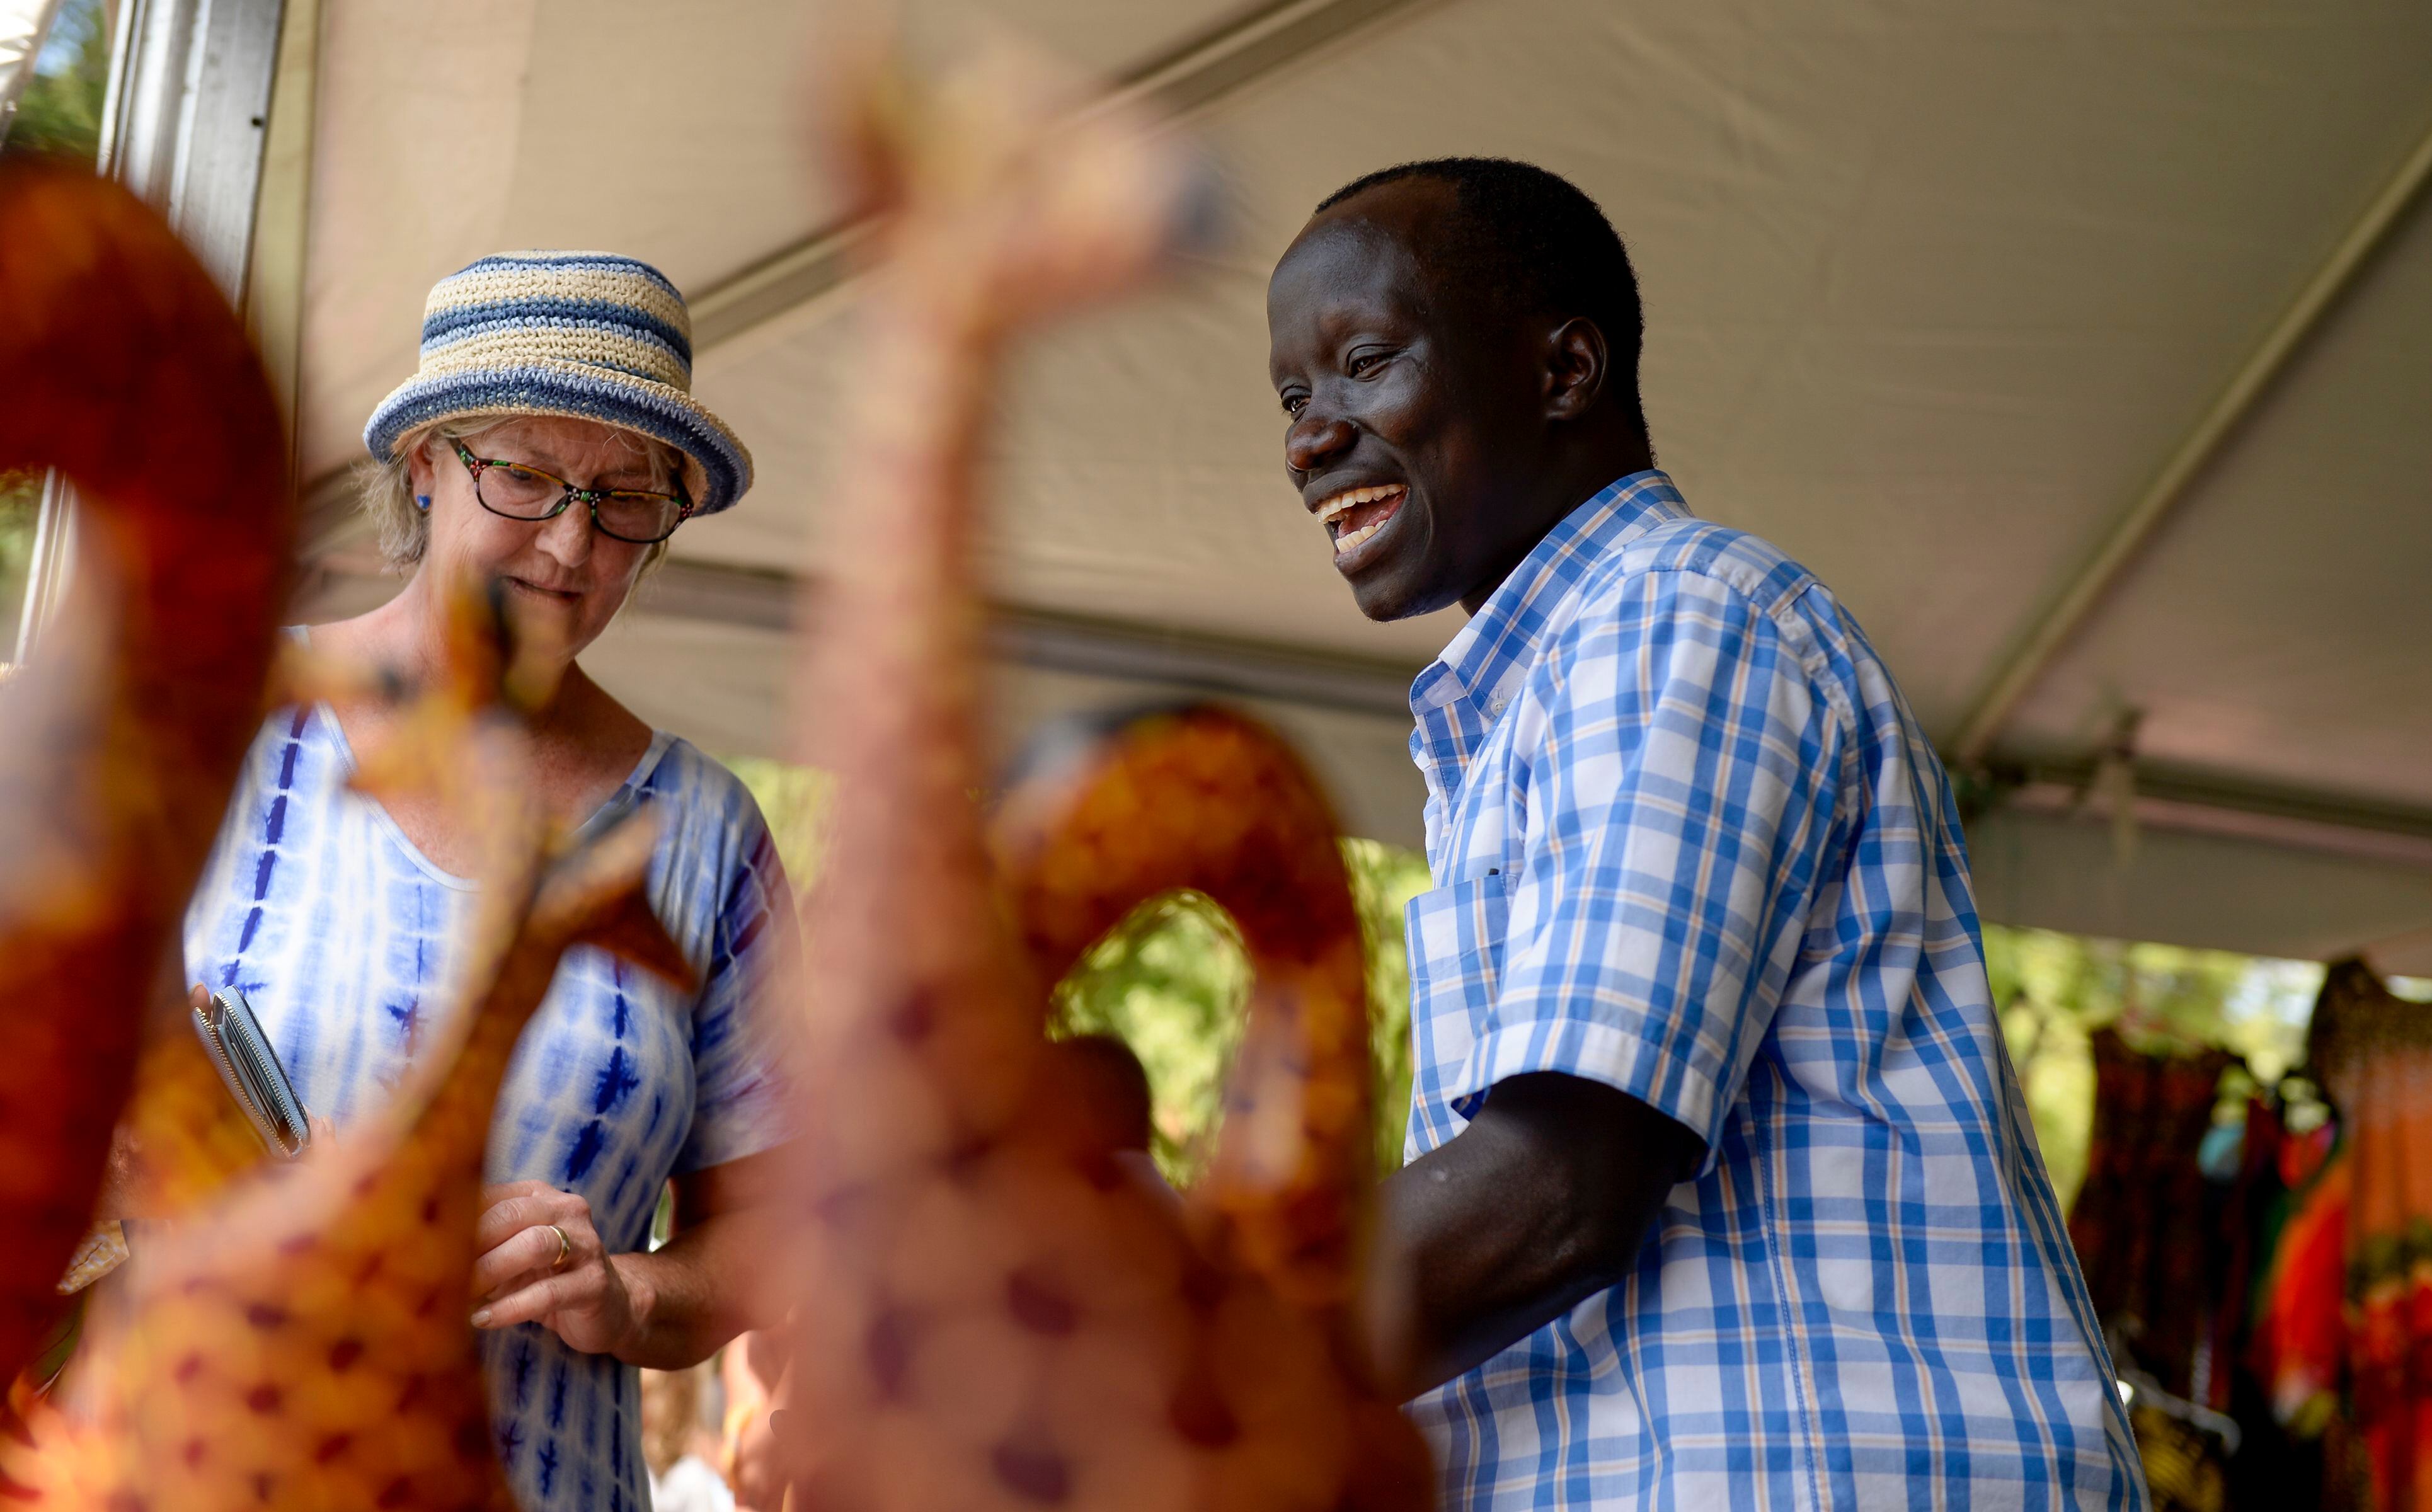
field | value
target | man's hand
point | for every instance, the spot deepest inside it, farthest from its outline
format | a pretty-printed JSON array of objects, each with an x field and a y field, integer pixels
[
  {"x": 1545, "y": 1200},
  {"x": 528, "y": 1274}
]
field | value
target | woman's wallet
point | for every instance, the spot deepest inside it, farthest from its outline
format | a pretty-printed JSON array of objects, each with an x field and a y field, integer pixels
[{"x": 252, "y": 1073}]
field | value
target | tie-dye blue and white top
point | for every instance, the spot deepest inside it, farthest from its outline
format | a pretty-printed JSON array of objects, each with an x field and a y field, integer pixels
[{"x": 344, "y": 935}]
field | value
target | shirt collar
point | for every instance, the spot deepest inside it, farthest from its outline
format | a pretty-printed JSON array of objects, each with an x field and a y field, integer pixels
[{"x": 1500, "y": 642}]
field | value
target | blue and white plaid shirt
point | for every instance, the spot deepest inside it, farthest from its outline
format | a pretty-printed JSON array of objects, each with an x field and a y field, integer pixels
[{"x": 1689, "y": 842}]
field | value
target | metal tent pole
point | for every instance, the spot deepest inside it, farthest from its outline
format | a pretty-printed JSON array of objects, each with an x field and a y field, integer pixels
[{"x": 2123, "y": 540}]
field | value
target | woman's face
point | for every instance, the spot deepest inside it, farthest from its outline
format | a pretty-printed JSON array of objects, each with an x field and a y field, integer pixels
[{"x": 561, "y": 569}]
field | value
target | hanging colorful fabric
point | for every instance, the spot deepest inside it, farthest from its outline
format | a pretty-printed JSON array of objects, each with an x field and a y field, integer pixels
[{"x": 2346, "y": 1330}]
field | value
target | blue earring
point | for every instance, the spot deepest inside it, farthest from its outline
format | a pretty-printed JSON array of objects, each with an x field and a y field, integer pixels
[{"x": 422, "y": 501}]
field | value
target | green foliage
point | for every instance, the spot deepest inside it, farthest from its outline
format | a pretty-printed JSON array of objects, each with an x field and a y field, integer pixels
[
  {"x": 794, "y": 800},
  {"x": 2053, "y": 991},
  {"x": 60, "y": 111},
  {"x": 1170, "y": 980},
  {"x": 20, "y": 497},
  {"x": 1384, "y": 879}
]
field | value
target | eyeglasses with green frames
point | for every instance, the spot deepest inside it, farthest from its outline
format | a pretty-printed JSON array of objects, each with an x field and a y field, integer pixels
[{"x": 520, "y": 492}]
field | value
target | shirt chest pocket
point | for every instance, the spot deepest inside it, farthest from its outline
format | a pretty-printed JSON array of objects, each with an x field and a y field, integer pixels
[{"x": 1455, "y": 937}]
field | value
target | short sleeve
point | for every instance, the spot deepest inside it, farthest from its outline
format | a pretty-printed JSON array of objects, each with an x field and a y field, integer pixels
[
  {"x": 739, "y": 1091},
  {"x": 1681, "y": 774}
]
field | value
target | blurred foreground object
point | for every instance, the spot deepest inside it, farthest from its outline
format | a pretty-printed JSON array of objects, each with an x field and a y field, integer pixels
[
  {"x": 995, "y": 1309},
  {"x": 294, "y": 1336},
  {"x": 122, "y": 366},
  {"x": 749, "y": 1370}
]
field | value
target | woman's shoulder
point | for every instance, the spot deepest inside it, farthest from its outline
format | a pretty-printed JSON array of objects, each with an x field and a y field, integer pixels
[
  {"x": 290, "y": 738},
  {"x": 702, "y": 805},
  {"x": 683, "y": 775},
  {"x": 717, "y": 862}
]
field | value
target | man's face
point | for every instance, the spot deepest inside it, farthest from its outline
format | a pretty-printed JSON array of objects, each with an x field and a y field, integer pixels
[{"x": 1409, "y": 413}]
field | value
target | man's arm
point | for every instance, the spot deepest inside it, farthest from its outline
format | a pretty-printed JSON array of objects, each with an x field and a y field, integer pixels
[{"x": 1545, "y": 1200}]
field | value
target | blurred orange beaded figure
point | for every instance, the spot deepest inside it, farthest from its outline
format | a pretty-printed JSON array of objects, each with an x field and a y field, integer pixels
[
  {"x": 298, "y": 1337},
  {"x": 299, "y": 1340},
  {"x": 120, "y": 742},
  {"x": 991, "y": 1310}
]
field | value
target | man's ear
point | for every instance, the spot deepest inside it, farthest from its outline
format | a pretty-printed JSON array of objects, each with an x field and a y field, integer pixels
[{"x": 1576, "y": 364}]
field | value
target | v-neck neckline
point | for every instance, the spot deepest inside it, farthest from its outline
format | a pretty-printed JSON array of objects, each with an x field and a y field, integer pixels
[{"x": 611, "y": 807}]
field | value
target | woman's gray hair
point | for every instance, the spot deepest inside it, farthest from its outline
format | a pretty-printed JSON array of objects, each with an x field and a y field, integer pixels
[{"x": 404, "y": 530}]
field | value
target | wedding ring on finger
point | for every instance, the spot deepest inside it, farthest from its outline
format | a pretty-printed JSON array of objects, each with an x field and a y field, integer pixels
[{"x": 565, "y": 1248}]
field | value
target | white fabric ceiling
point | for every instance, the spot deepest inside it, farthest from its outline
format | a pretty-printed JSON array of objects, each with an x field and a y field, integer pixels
[{"x": 1932, "y": 291}]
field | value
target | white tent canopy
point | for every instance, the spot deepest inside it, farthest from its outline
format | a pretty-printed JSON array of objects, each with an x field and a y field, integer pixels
[{"x": 2080, "y": 349}]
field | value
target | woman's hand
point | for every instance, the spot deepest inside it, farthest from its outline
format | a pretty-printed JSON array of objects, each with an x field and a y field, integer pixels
[
  {"x": 528, "y": 1274},
  {"x": 667, "y": 1309}
]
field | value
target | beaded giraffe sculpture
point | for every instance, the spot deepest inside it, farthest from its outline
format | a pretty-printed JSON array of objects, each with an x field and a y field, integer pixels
[
  {"x": 118, "y": 745},
  {"x": 299, "y": 1338},
  {"x": 987, "y": 1313}
]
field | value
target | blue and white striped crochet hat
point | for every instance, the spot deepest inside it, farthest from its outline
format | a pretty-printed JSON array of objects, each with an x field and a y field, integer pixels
[{"x": 585, "y": 334}]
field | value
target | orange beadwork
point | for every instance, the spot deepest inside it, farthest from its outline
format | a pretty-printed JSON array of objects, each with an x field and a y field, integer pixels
[
  {"x": 299, "y": 1338},
  {"x": 989, "y": 1313},
  {"x": 119, "y": 745},
  {"x": 1206, "y": 800}
]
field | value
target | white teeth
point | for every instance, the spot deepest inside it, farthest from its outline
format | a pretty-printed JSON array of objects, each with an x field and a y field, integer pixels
[
  {"x": 1355, "y": 495},
  {"x": 1352, "y": 538}
]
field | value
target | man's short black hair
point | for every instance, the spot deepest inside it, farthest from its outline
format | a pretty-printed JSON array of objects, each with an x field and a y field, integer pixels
[{"x": 1531, "y": 244}]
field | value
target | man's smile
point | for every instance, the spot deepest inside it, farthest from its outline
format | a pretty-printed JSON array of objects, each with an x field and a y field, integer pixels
[{"x": 1355, "y": 516}]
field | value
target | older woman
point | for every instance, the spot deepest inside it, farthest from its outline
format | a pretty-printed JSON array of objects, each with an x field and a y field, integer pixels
[{"x": 548, "y": 441}]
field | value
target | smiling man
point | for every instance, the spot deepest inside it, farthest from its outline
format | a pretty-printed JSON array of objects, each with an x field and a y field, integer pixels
[{"x": 1720, "y": 1193}]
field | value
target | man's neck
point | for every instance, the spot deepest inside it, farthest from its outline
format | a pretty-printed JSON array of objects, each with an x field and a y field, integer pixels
[{"x": 1566, "y": 490}]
